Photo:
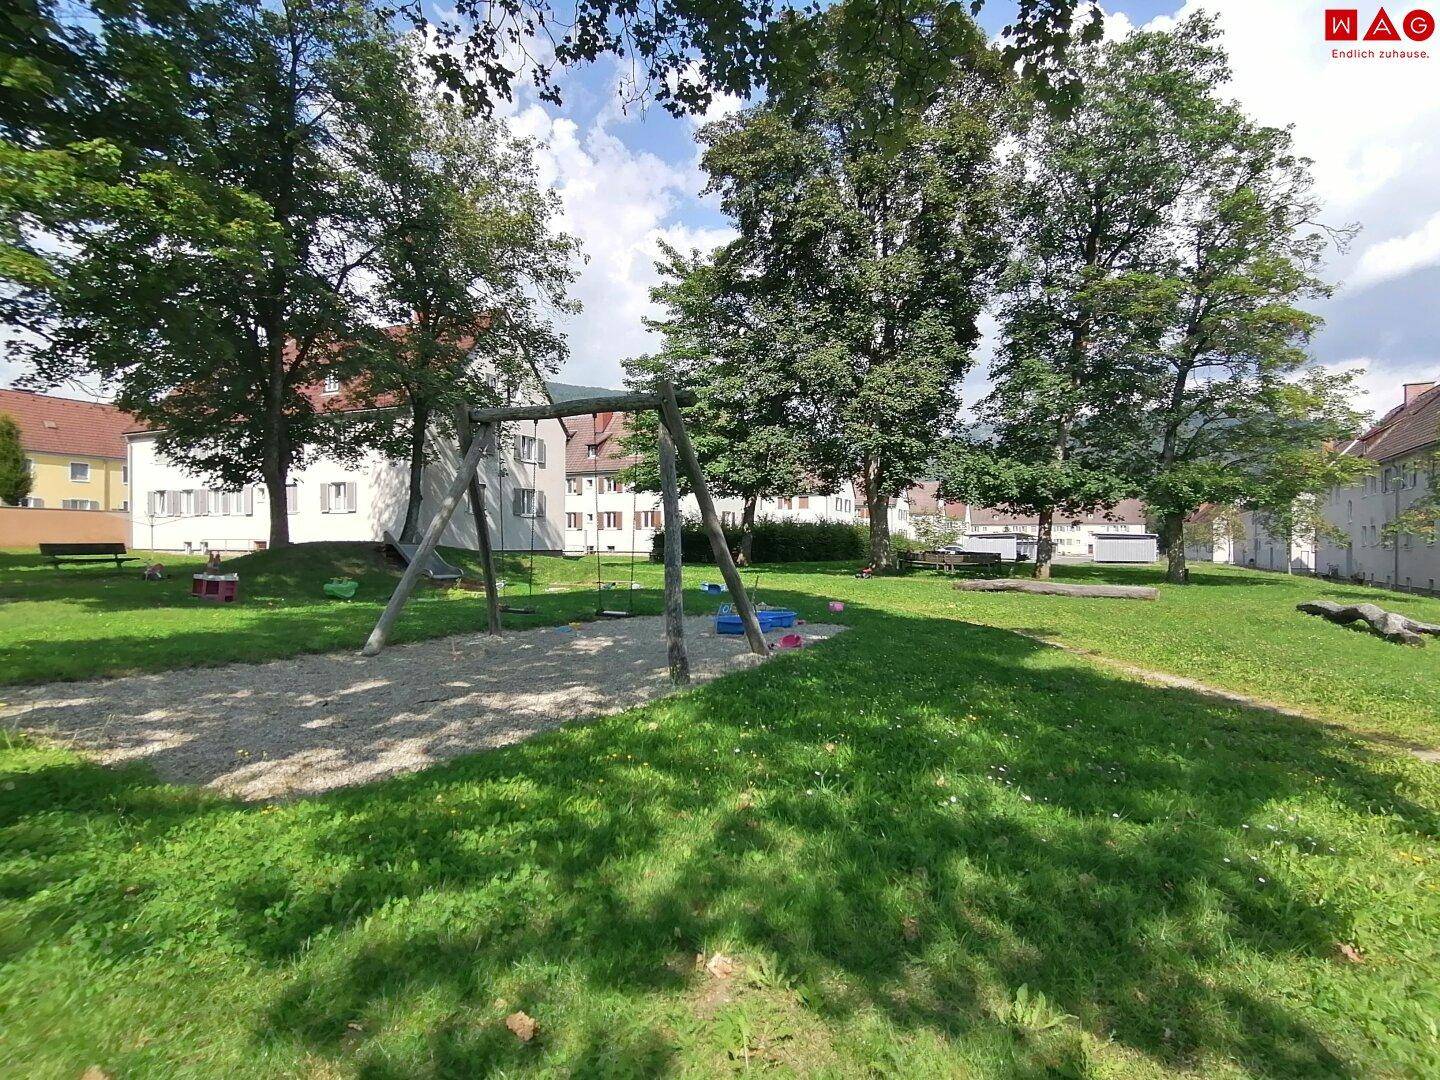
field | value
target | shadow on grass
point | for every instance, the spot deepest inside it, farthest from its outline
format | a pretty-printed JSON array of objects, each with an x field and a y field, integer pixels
[{"x": 1041, "y": 821}]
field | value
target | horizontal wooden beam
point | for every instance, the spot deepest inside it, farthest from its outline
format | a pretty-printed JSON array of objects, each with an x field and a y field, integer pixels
[{"x": 576, "y": 407}]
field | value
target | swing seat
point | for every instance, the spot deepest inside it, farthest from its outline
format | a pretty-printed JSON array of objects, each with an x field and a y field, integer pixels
[{"x": 712, "y": 588}]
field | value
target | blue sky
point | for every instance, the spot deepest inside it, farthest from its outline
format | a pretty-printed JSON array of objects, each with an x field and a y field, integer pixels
[{"x": 630, "y": 176}]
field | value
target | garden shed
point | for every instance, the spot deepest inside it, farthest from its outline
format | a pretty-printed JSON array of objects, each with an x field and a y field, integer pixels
[
  {"x": 1126, "y": 547},
  {"x": 1006, "y": 545}
]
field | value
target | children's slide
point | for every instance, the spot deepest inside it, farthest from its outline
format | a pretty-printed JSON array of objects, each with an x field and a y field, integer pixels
[{"x": 437, "y": 569}]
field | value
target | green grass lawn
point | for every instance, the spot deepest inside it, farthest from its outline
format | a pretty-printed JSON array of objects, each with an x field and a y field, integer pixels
[{"x": 902, "y": 837}]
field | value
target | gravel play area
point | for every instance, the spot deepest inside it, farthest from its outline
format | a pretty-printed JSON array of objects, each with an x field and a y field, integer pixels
[{"x": 312, "y": 723}]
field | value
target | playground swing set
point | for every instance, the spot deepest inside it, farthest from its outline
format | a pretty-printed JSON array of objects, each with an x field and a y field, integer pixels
[{"x": 478, "y": 433}]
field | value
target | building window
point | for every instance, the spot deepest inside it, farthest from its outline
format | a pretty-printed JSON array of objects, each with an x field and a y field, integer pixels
[
  {"x": 532, "y": 450},
  {"x": 124, "y": 474},
  {"x": 804, "y": 502},
  {"x": 572, "y": 521},
  {"x": 33, "y": 503},
  {"x": 338, "y": 497},
  {"x": 79, "y": 504},
  {"x": 332, "y": 384},
  {"x": 611, "y": 519},
  {"x": 292, "y": 498},
  {"x": 572, "y": 485},
  {"x": 527, "y": 502},
  {"x": 79, "y": 472},
  {"x": 727, "y": 519},
  {"x": 124, "y": 504},
  {"x": 786, "y": 503},
  {"x": 607, "y": 485},
  {"x": 591, "y": 450},
  {"x": 647, "y": 519}
]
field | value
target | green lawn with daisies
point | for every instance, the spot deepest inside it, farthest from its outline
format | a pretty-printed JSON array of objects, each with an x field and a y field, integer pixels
[{"x": 931, "y": 846}]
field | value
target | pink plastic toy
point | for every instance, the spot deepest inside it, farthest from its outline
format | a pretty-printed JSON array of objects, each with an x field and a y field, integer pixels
[
  {"x": 789, "y": 641},
  {"x": 836, "y": 606}
]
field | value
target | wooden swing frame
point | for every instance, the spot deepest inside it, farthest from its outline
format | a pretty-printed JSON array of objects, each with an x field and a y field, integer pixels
[{"x": 477, "y": 429}]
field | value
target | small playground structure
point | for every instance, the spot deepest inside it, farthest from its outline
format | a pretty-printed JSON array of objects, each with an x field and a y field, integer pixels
[{"x": 478, "y": 430}]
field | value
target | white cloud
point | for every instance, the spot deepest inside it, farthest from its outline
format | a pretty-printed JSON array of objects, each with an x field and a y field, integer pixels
[
  {"x": 1379, "y": 385},
  {"x": 619, "y": 202},
  {"x": 1364, "y": 122},
  {"x": 1399, "y": 255}
]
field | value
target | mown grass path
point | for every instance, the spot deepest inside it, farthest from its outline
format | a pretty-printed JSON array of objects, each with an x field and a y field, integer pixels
[{"x": 892, "y": 834}]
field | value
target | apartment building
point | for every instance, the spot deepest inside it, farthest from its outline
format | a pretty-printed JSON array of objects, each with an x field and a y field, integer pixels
[
  {"x": 328, "y": 499},
  {"x": 603, "y": 513},
  {"x": 1402, "y": 446},
  {"x": 76, "y": 451}
]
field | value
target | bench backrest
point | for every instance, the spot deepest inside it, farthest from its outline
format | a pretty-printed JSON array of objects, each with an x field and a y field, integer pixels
[{"x": 82, "y": 549}]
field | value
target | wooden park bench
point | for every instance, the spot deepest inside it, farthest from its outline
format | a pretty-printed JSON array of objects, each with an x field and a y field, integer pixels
[
  {"x": 87, "y": 553},
  {"x": 935, "y": 560}
]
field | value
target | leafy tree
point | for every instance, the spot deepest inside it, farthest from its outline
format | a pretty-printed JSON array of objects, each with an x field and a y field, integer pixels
[
  {"x": 211, "y": 296},
  {"x": 1229, "y": 392},
  {"x": 684, "y": 53},
  {"x": 1082, "y": 296},
  {"x": 1039, "y": 488},
  {"x": 466, "y": 260},
  {"x": 1287, "y": 492},
  {"x": 728, "y": 346},
  {"x": 879, "y": 253},
  {"x": 15, "y": 479}
]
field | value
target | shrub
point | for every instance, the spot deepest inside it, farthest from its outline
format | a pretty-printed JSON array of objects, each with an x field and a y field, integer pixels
[{"x": 776, "y": 542}]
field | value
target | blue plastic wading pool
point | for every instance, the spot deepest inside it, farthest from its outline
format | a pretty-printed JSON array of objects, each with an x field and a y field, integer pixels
[{"x": 770, "y": 619}]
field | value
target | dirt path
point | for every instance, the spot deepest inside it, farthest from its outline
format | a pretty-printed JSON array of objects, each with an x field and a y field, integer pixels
[
  {"x": 312, "y": 723},
  {"x": 1180, "y": 682}
]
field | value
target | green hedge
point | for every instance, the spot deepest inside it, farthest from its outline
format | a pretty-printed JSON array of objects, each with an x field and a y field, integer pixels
[{"x": 777, "y": 542}]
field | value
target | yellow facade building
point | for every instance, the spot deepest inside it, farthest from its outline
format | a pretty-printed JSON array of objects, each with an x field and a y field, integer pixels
[{"x": 76, "y": 449}]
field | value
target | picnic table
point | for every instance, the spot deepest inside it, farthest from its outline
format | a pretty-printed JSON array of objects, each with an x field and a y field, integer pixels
[
  {"x": 83, "y": 553},
  {"x": 941, "y": 560}
]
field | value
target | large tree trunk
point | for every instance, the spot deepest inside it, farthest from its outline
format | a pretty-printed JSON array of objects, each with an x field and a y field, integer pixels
[
  {"x": 274, "y": 460},
  {"x": 419, "y": 420},
  {"x": 1045, "y": 544},
  {"x": 747, "y": 531},
  {"x": 878, "y": 506},
  {"x": 1172, "y": 530}
]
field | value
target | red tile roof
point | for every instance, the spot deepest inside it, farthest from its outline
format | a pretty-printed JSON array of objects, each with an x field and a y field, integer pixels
[
  {"x": 56, "y": 425},
  {"x": 1129, "y": 511},
  {"x": 605, "y": 432},
  {"x": 1413, "y": 425},
  {"x": 924, "y": 499}
]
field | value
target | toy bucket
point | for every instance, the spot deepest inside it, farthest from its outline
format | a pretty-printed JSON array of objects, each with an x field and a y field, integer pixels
[
  {"x": 836, "y": 607},
  {"x": 789, "y": 641}
]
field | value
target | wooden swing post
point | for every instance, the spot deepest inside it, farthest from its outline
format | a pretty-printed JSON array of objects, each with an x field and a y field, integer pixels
[
  {"x": 467, "y": 436},
  {"x": 674, "y": 594},
  {"x": 428, "y": 544},
  {"x": 670, "y": 415}
]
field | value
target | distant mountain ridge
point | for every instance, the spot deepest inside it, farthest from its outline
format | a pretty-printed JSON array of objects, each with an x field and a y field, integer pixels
[{"x": 560, "y": 391}]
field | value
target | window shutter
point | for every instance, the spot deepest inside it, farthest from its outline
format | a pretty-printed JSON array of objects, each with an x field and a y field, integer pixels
[
  {"x": 517, "y": 502},
  {"x": 540, "y": 504},
  {"x": 249, "y": 499},
  {"x": 539, "y": 451},
  {"x": 202, "y": 502},
  {"x": 150, "y": 504},
  {"x": 520, "y": 446},
  {"x": 352, "y": 491},
  {"x": 325, "y": 498}
]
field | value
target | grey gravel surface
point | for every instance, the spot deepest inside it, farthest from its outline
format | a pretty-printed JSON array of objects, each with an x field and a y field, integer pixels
[{"x": 312, "y": 723}]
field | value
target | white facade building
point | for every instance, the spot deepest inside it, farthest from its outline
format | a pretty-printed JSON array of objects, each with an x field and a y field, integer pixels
[
  {"x": 172, "y": 509},
  {"x": 604, "y": 514},
  {"x": 1402, "y": 445}
]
